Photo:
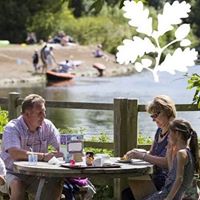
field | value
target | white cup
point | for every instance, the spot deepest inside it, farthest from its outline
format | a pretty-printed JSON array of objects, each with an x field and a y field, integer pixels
[
  {"x": 32, "y": 159},
  {"x": 98, "y": 162}
]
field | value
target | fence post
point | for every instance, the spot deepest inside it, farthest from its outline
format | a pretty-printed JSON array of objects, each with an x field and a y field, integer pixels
[
  {"x": 132, "y": 123},
  {"x": 120, "y": 126},
  {"x": 13, "y": 109},
  {"x": 120, "y": 139}
]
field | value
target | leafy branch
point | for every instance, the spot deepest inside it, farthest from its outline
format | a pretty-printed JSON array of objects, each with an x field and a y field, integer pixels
[
  {"x": 137, "y": 51},
  {"x": 194, "y": 82}
]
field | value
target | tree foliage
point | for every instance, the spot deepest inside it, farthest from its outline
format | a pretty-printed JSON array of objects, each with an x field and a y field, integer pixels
[
  {"x": 97, "y": 5},
  {"x": 15, "y": 16},
  {"x": 46, "y": 24},
  {"x": 109, "y": 29},
  {"x": 194, "y": 83},
  {"x": 3, "y": 119}
]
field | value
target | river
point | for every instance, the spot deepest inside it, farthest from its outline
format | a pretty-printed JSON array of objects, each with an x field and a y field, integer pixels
[{"x": 105, "y": 89}]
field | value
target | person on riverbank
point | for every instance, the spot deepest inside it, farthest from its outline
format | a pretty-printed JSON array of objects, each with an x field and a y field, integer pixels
[
  {"x": 50, "y": 58},
  {"x": 163, "y": 111},
  {"x": 182, "y": 157},
  {"x": 31, "y": 38},
  {"x": 35, "y": 60},
  {"x": 47, "y": 58},
  {"x": 43, "y": 59},
  {"x": 98, "y": 53},
  {"x": 29, "y": 133}
]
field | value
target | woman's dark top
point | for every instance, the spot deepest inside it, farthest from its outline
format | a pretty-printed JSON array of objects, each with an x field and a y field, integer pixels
[{"x": 159, "y": 149}]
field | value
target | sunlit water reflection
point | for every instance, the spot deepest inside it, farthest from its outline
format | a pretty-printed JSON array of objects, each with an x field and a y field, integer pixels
[{"x": 140, "y": 86}]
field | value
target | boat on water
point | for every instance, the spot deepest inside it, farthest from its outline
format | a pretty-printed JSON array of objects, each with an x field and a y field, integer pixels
[
  {"x": 58, "y": 76},
  {"x": 100, "y": 68},
  {"x": 62, "y": 83}
]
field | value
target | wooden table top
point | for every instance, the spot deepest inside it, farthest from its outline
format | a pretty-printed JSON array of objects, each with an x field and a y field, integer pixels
[{"x": 48, "y": 170}]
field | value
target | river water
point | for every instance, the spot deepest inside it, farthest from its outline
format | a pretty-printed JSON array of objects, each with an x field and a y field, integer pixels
[{"x": 105, "y": 89}]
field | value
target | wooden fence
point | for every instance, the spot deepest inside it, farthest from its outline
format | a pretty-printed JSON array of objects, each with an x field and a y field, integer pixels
[{"x": 125, "y": 118}]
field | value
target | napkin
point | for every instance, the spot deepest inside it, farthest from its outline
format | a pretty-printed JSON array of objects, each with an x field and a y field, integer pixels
[
  {"x": 98, "y": 162},
  {"x": 54, "y": 161},
  {"x": 100, "y": 159},
  {"x": 108, "y": 163}
]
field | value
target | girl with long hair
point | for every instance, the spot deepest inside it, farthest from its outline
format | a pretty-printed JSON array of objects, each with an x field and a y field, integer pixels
[{"x": 182, "y": 156}]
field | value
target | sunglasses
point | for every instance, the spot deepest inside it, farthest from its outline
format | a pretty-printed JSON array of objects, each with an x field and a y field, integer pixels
[{"x": 155, "y": 115}]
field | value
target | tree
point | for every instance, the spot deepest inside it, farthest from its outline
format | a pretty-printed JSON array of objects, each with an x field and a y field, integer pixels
[
  {"x": 15, "y": 14},
  {"x": 195, "y": 17},
  {"x": 98, "y": 4}
]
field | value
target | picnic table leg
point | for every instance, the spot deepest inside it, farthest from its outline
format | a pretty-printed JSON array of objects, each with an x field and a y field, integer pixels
[
  {"x": 119, "y": 185},
  {"x": 142, "y": 186},
  {"x": 39, "y": 189}
]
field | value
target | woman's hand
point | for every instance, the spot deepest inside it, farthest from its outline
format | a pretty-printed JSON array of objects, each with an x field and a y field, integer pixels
[{"x": 134, "y": 154}]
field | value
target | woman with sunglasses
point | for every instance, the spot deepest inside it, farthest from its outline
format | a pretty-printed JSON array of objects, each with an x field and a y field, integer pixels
[
  {"x": 163, "y": 111},
  {"x": 182, "y": 156}
]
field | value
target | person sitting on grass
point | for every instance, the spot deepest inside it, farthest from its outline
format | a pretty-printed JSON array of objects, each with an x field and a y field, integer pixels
[{"x": 98, "y": 53}]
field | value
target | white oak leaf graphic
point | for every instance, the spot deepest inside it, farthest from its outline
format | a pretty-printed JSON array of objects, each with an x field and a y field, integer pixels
[
  {"x": 185, "y": 43},
  {"x": 172, "y": 15},
  {"x": 127, "y": 53},
  {"x": 182, "y": 31},
  {"x": 145, "y": 63},
  {"x": 179, "y": 60},
  {"x": 143, "y": 45},
  {"x": 138, "y": 66},
  {"x": 139, "y": 17},
  {"x": 137, "y": 50}
]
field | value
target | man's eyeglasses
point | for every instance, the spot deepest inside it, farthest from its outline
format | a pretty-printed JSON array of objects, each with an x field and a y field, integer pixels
[{"x": 155, "y": 115}]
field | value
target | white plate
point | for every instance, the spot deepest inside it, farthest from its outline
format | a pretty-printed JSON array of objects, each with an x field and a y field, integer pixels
[
  {"x": 140, "y": 150},
  {"x": 139, "y": 162},
  {"x": 124, "y": 161}
]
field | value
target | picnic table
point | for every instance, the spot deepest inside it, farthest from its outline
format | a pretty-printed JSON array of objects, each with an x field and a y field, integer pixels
[{"x": 44, "y": 169}]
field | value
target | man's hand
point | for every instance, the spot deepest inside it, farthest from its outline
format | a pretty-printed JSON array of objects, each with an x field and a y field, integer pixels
[{"x": 48, "y": 156}]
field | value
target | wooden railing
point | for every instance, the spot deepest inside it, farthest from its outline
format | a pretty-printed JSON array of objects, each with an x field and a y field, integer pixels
[{"x": 125, "y": 118}]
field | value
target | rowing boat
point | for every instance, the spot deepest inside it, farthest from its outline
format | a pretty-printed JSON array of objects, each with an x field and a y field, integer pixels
[{"x": 58, "y": 76}]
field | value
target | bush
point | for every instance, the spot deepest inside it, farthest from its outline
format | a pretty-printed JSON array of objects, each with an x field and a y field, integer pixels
[
  {"x": 3, "y": 119},
  {"x": 145, "y": 140},
  {"x": 102, "y": 138},
  {"x": 194, "y": 83},
  {"x": 70, "y": 130},
  {"x": 95, "y": 30},
  {"x": 103, "y": 192},
  {"x": 49, "y": 23}
]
